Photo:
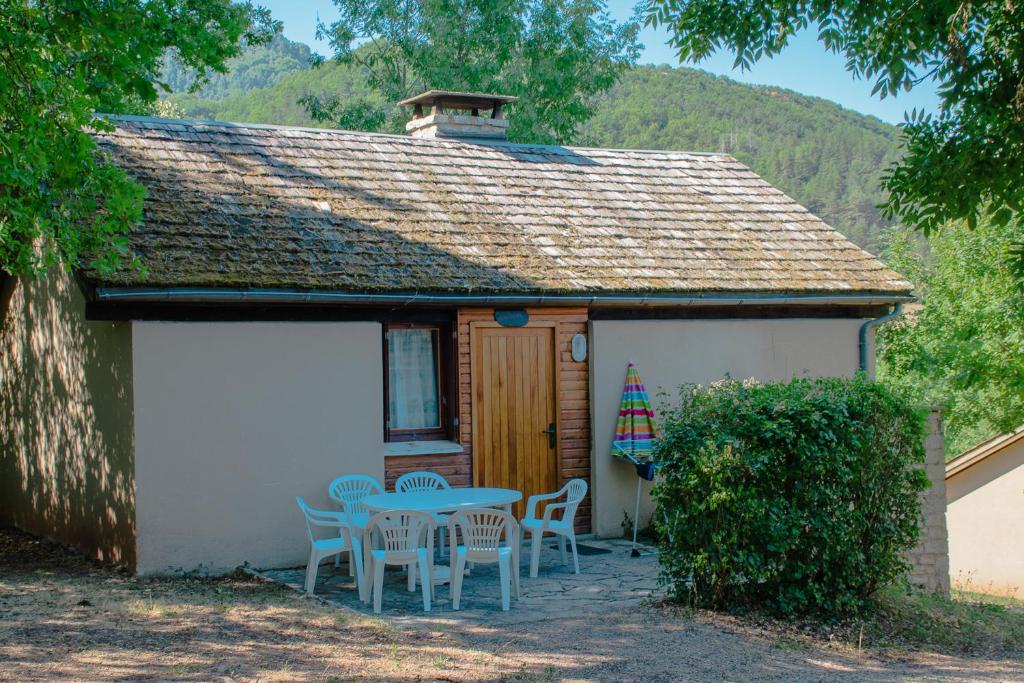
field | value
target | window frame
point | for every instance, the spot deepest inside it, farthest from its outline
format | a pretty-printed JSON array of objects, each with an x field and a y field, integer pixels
[{"x": 444, "y": 368}]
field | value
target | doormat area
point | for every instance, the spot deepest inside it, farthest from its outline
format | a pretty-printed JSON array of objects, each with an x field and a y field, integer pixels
[{"x": 584, "y": 549}]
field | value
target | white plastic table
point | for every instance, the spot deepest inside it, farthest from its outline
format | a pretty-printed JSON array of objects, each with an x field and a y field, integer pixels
[{"x": 444, "y": 500}]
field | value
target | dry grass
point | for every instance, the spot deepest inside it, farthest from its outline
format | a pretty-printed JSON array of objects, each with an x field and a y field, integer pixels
[
  {"x": 108, "y": 625},
  {"x": 962, "y": 625},
  {"x": 189, "y": 629},
  {"x": 63, "y": 618},
  {"x": 987, "y": 598},
  {"x": 900, "y": 624},
  {"x": 966, "y": 589}
]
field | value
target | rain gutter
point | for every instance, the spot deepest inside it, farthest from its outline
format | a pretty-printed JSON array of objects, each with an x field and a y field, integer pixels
[
  {"x": 862, "y": 345},
  {"x": 290, "y": 296}
]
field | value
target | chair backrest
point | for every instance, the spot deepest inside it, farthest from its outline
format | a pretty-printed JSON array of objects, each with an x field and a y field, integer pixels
[
  {"x": 484, "y": 530},
  {"x": 320, "y": 518},
  {"x": 350, "y": 490},
  {"x": 575, "y": 492},
  {"x": 400, "y": 533},
  {"x": 420, "y": 481}
]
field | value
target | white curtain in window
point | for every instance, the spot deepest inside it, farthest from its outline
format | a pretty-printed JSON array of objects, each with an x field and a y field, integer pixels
[{"x": 412, "y": 380}]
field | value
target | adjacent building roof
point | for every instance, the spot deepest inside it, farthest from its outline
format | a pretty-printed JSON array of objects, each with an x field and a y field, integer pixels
[
  {"x": 983, "y": 451},
  {"x": 232, "y": 205}
]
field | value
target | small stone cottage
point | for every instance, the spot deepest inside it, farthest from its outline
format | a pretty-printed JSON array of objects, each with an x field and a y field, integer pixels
[{"x": 322, "y": 302}]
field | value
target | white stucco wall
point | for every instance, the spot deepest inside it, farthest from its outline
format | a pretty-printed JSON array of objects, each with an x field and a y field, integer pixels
[
  {"x": 232, "y": 421},
  {"x": 985, "y": 516},
  {"x": 672, "y": 352}
]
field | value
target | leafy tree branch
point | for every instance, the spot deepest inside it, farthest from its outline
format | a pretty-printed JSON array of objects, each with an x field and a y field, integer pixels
[
  {"x": 964, "y": 162},
  {"x": 962, "y": 347},
  {"x": 65, "y": 60}
]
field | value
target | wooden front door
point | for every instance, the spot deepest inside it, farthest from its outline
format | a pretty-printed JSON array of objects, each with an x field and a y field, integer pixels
[{"x": 514, "y": 413}]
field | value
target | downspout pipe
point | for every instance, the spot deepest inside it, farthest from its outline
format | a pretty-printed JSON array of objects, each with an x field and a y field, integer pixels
[{"x": 867, "y": 327}]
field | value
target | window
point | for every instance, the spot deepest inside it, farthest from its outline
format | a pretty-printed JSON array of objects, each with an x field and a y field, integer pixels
[{"x": 416, "y": 364}]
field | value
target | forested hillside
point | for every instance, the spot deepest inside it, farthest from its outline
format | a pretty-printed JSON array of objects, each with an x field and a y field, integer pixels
[
  {"x": 825, "y": 157},
  {"x": 260, "y": 66},
  {"x": 277, "y": 104}
]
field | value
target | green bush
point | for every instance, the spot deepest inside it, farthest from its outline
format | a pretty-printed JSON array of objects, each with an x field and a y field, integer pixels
[{"x": 793, "y": 498}]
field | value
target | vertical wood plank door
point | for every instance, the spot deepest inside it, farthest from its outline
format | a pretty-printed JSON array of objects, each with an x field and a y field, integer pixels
[{"x": 514, "y": 390}]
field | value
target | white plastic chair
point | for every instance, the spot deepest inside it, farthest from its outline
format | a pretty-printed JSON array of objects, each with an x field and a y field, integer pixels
[
  {"x": 348, "y": 491},
  {"x": 403, "y": 537},
  {"x": 574, "y": 492},
  {"x": 341, "y": 541},
  {"x": 425, "y": 481},
  {"x": 482, "y": 532}
]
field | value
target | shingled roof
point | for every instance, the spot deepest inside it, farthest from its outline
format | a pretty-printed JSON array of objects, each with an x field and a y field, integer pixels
[{"x": 233, "y": 205}]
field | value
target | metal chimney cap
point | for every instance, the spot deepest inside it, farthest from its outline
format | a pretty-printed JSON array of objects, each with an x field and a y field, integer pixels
[{"x": 452, "y": 99}]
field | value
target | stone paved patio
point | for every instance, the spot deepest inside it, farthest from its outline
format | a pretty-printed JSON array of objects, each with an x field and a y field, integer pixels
[{"x": 609, "y": 582}]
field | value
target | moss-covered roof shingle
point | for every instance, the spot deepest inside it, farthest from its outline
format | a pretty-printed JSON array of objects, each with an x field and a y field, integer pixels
[{"x": 250, "y": 206}]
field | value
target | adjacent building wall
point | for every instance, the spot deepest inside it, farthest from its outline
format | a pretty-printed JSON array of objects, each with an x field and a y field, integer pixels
[
  {"x": 233, "y": 420},
  {"x": 66, "y": 454},
  {"x": 986, "y": 523},
  {"x": 672, "y": 352}
]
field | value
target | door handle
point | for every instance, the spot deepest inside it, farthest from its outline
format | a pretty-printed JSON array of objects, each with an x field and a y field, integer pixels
[{"x": 552, "y": 435}]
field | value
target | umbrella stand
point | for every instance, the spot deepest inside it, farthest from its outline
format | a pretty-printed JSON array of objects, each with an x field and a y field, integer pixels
[
  {"x": 635, "y": 552},
  {"x": 644, "y": 470}
]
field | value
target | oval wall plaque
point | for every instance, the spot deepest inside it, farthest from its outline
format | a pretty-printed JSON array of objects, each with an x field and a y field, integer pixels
[
  {"x": 512, "y": 318},
  {"x": 579, "y": 347}
]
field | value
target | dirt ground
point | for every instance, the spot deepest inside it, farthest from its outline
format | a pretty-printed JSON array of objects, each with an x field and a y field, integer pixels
[{"x": 65, "y": 618}]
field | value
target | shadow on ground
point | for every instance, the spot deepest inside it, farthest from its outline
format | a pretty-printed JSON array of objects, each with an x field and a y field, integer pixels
[{"x": 65, "y": 618}]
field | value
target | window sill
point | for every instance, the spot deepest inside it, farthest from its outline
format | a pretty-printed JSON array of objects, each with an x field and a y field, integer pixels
[{"x": 421, "y": 448}]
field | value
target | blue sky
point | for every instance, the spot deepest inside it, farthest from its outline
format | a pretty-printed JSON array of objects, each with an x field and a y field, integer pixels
[{"x": 805, "y": 66}]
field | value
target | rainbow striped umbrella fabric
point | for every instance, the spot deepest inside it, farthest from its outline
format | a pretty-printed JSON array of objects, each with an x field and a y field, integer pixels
[{"x": 635, "y": 430}]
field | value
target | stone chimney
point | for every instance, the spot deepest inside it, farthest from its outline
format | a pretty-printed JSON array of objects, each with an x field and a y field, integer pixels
[{"x": 461, "y": 115}]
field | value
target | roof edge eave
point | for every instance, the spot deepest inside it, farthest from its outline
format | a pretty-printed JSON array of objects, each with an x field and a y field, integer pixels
[
  {"x": 983, "y": 451},
  {"x": 263, "y": 295}
]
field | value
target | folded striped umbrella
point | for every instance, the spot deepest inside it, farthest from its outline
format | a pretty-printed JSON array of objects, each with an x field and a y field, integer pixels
[{"x": 635, "y": 430}]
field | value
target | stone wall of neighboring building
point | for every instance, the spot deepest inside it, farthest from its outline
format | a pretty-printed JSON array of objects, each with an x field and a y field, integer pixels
[{"x": 930, "y": 559}]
